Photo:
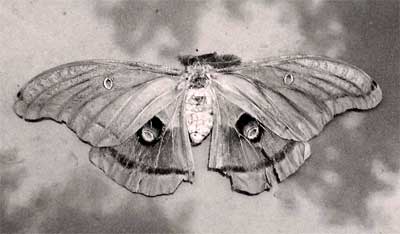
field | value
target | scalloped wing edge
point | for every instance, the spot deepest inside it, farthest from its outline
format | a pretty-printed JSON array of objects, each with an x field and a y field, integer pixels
[
  {"x": 137, "y": 181},
  {"x": 255, "y": 182}
]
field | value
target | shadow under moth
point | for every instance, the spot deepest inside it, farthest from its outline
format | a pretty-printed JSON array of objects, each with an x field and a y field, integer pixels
[{"x": 142, "y": 119}]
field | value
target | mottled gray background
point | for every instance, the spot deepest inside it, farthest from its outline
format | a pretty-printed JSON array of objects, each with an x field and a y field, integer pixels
[{"x": 349, "y": 185}]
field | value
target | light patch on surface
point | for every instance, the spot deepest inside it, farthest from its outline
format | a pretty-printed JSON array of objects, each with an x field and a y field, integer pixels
[
  {"x": 40, "y": 175},
  {"x": 335, "y": 27},
  {"x": 330, "y": 177},
  {"x": 26, "y": 36},
  {"x": 332, "y": 153},
  {"x": 383, "y": 173},
  {"x": 315, "y": 5},
  {"x": 335, "y": 51},
  {"x": 265, "y": 30},
  {"x": 162, "y": 39},
  {"x": 47, "y": 158},
  {"x": 52, "y": 165},
  {"x": 352, "y": 120},
  {"x": 307, "y": 217},
  {"x": 333, "y": 31},
  {"x": 385, "y": 204}
]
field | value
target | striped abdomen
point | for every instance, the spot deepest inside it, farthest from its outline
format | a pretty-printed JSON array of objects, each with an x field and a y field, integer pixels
[{"x": 198, "y": 111}]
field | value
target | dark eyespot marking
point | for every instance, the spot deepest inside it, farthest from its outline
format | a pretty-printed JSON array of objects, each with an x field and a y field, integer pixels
[
  {"x": 150, "y": 132},
  {"x": 108, "y": 83},
  {"x": 288, "y": 79},
  {"x": 249, "y": 127}
]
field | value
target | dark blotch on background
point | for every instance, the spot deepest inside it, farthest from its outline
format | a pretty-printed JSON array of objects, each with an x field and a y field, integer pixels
[
  {"x": 18, "y": 220},
  {"x": 138, "y": 215},
  {"x": 180, "y": 17},
  {"x": 76, "y": 208},
  {"x": 128, "y": 16},
  {"x": 371, "y": 35}
]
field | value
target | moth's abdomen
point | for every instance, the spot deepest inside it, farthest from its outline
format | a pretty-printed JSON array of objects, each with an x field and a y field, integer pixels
[{"x": 198, "y": 111}]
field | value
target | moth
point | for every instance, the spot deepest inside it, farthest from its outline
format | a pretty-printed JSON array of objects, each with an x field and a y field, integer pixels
[{"x": 141, "y": 120}]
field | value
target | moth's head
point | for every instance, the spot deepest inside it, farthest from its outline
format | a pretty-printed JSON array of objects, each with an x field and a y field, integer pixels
[
  {"x": 198, "y": 68},
  {"x": 198, "y": 75}
]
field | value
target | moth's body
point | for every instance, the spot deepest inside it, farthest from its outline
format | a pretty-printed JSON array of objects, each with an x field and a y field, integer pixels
[
  {"x": 198, "y": 113},
  {"x": 198, "y": 104}
]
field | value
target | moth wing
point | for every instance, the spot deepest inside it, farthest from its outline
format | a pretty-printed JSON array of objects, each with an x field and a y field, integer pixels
[
  {"x": 151, "y": 169},
  {"x": 297, "y": 96},
  {"x": 76, "y": 94},
  {"x": 252, "y": 165},
  {"x": 292, "y": 99}
]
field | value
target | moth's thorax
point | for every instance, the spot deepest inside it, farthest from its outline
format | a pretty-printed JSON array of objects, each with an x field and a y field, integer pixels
[
  {"x": 198, "y": 76},
  {"x": 198, "y": 113}
]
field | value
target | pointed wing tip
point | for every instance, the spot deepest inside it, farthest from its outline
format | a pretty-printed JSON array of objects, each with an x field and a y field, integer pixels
[
  {"x": 20, "y": 108},
  {"x": 23, "y": 109},
  {"x": 376, "y": 94},
  {"x": 372, "y": 99}
]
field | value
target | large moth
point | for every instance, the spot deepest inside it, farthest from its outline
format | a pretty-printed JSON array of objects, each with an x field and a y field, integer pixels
[{"x": 142, "y": 119}]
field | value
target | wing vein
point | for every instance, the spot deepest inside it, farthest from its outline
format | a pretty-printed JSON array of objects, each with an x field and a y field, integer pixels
[
  {"x": 61, "y": 91},
  {"x": 145, "y": 108},
  {"x": 336, "y": 75},
  {"x": 293, "y": 105},
  {"x": 168, "y": 127},
  {"x": 332, "y": 74},
  {"x": 55, "y": 84},
  {"x": 65, "y": 103},
  {"x": 97, "y": 115}
]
